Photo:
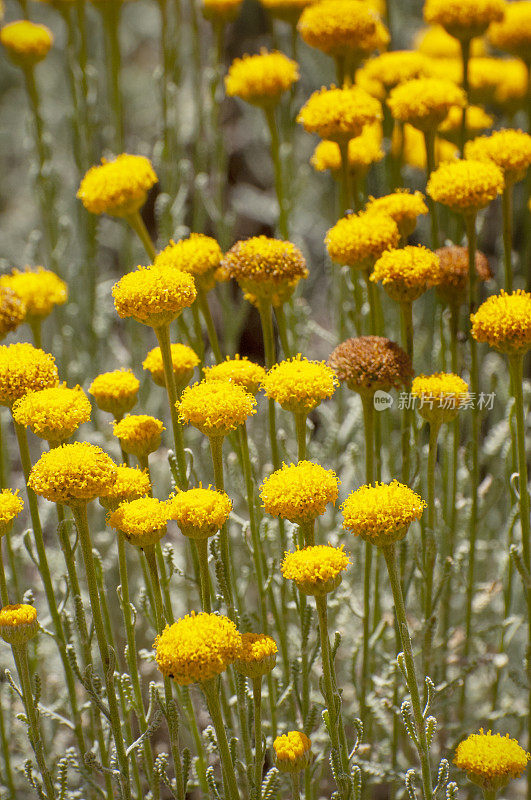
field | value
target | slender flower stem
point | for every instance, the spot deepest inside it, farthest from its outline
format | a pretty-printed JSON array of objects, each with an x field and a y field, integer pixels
[
  {"x": 429, "y": 139},
  {"x": 111, "y": 24},
  {"x": 209, "y": 322},
  {"x": 216, "y": 449},
  {"x": 406, "y": 318},
  {"x": 465, "y": 58},
  {"x": 20, "y": 653},
  {"x": 201, "y": 546},
  {"x": 258, "y": 748},
  {"x": 279, "y": 179},
  {"x": 346, "y": 179},
  {"x": 4, "y": 595},
  {"x": 507, "y": 211},
  {"x": 367, "y": 401},
  {"x": 137, "y": 223},
  {"x": 210, "y": 690},
  {"x": 300, "y": 428},
  {"x": 428, "y": 549},
  {"x": 280, "y": 316},
  {"x": 412, "y": 684},
  {"x": 80, "y": 516},
  {"x": 8, "y": 770},
  {"x": 296, "y": 785},
  {"x": 163, "y": 337}
]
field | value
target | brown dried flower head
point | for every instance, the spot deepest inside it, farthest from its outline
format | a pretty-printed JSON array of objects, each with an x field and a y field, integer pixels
[
  {"x": 369, "y": 363},
  {"x": 453, "y": 283}
]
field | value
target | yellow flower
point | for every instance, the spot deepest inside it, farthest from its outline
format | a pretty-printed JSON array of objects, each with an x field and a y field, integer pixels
[
  {"x": 197, "y": 648},
  {"x": 425, "y": 102},
  {"x": 498, "y": 81},
  {"x": 368, "y": 363},
  {"x": 403, "y": 206},
  {"x": 215, "y": 407},
  {"x": 466, "y": 185},
  {"x": 316, "y": 570},
  {"x": 53, "y": 414},
  {"x": 287, "y": 10},
  {"x": 117, "y": 187},
  {"x": 454, "y": 274},
  {"x": 12, "y": 310},
  {"x": 266, "y": 269},
  {"x": 441, "y": 396},
  {"x": 390, "y": 69},
  {"x": 513, "y": 33},
  {"x": 407, "y": 273},
  {"x": 358, "y": 240},
  {"x": 142, "y": 521},
  {"x": 221, "y": 10},
  {"x": 437, "y": 43},
  {"x": 261, "y": 79},
  {"x": 509, "y": 149},
  {"x": 238, "y": 370},
  {"x": 154, "y": 296},
  {"x": 73, "y": 473},
  {"x": 131, "y": 483},
  {"x": 184, "y": 361},
  {"x": 258, "y": 655},
  {"x": 115, "y": 392},
  {"x": 477, "y": 120},
  {"x": 26, "y": 43},
  {"x": 200, "y": 512},
  {"x": 491, "y": 760},
  {"x": 408, "y": 143},
  {"x": 504, "y": 322},
  {"x": 292, "y": 751},
  {"x": 363, "y": 150},
  {"x": 299, "y": 385},
  {"x": 24, "y": 368},
  {"x": 18, "y": 624},
  {"x": 139, "y": 434},
  {"x": 199, "y": 255},
  {"x": 464, "y": 19},
  {"x": 10, "y": 507},
  {"x": 339, "y": 114},
  {"x": 299, "y": 492},
  {"x": 40, "y": 289},
  {"x": 343, "y": 28},
  {"x": 381, "y": 514}
]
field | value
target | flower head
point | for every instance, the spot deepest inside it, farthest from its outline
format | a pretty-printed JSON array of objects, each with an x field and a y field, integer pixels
[
  {"x": 199, "y": 255},
  {"x": 368, "y": 363},
  {"x": 464, "y": 19},
  {"x": 154, "y": 296},
  {"x": 266, "y": 269},
  {"x": 477, "y": 120},
  {"x": 453, "y": 278},
  {"x": 343, "y": 28},
  {"x": 115, "y": 392},
  {"x": 142, "y": 521},
  {"x": 299, "y": 385},
  {"x": 316, "y": 570},
  {"x": 435, "y": 42},
  {"x": 261, "y": 79},
  {"x": 24, "y": 368},
  {"x": 403, "y": 206},
  {"x": 441, "y": 396},
  {"x": 509, "y": 149},
  {"x": 258, "y": 655},
  {"x": 425, "y": 102},
  {"x": 25, "y": 42},
  {"x": 390, "y": 69},
  {"x": 238, "y": 370},
  {"x": 40, "y": 289},
  {"x": 215, "y": 407},
  {"x": 358, "y": 240},
  {"x": 287, "y": 10},
  {"x": 339, "y": 114},
  {"x": 407, "y": 273},
  {"x": 73, "y": 474},
  {"x": 18, "y": 623},
  {"x": 513, "y": 32},
  {"x": 117, "y": 187},
  {"x": 10, "y": 507},
  {"x": 465, "y": 186},
  {"x": 12, "y": 310},
  {"x": 139, "y": 434},
  {"x": 197, "y": 648},
  {"x": 409, "y": 143},
  {"x": 299, "y": 492},
  {"x": 382, "y": 513},
  {"x": 491, "y": 760},
  {"x": 184, "y": 360},
  {"x": 292, "y": 751},
  {"x": 504, "y": 322},
  {"x": 131, "y": 483},
  {"x": 363, "y": 150},
  {"x": 221, "y": 10},
  {"x": 53, "y": 414},
  {"x": 200, "y": 512}
]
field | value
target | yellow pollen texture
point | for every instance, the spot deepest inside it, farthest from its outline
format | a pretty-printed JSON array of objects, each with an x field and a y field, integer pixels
[
  {"x": 40, "y": 289},
  {"x": 504, "y": 321},
  {"x": 117, "y": 187},
  {"x": 299, "y": 385},
  {"x": 73, "y": 473},
  {"x": 24, "y": 368},
  {"x": 261, "y": 78},
  {"x": 299, "y": 492},
  {"x": 315, "y": 565},
  {"x": 381, "y": 510},
  {"x": 490, "y": 759},
  {"x": 215, "y": 407},
  {"x": 13, "y": 616}
]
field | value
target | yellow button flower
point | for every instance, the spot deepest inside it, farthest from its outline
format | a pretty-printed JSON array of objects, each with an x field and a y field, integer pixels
[
  {"x": 441, "y": 396},
  {"x": 53, "y": 414},
  {"x": 465, "y": 186},
  {"x": 509, "y": 149},
  {"x": 343, "y": 28},
  {"x": 10, "y": 507},
  {"x": 491, "y": 760},
  {"x": 25, "y": 42},
  {"x": 40, "y": 289},
  {"x": 409, "y": 144},
  {"x": 154, "y": 296},
  {"x": 261, "y": 79},
  {"x": 258, "y": 656},
  {"x": 292, "y": 751},
  {"x": 339, "y": 114},
  {"x": 18, "y": 623},
  {"x": 397, "y": 66},
  {"x": 382, "y": 513},
  {"x": 363, "y": 150},
  {"x": 131, "y": 483},
  {"x": 197, "y": 648},
  {"x": 200, "y": 512},
  {"x": 407, "y": 273},
  {"x": 425, "y": 102},
  {"x": 215, "y": 407},
  {"x": 299, "y": 492},
  {"x": 453, "y": 279},
  {"x": 199, "y": 255},
  {"x": 299, "y": 385},
  {"x": 24, "y": 368},
  {"x": 504, "y": 322},
  {"x": 142, "y": 521},
  {"x": 115, "y": 392},
  {"x": 358, "y": 240},
  {"x": 117, "y": 187},
  {"x": 403, "y": 206},
  {"x": 502, "y": 82},
  {"x": 368, "y": 363},
  {"x": 139, "y": 434},
  {"x": 12, "y": 310},
  {"x": 316, "y": 570},
  {"x": 513, "y": 33},
  {"x": 477, "y": 120},
  {"x": 464, "y": 19},
  {"x": 238, "y": 370},
  {"x": 184, "y": 360},
  {"x": 73, "y": 473},
  {"x": 435, "y": 42}
]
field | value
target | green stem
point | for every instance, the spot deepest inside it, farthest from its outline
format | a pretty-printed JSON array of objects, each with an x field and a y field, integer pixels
[
  {"x": 507, "y": 210},
  {"x": 277, "y": 164},
  {"x": 465, "y": 58},
  {"x": 406, "y": 318},
  {"x": 210, "y": 690},
  {"x": 216, "y": 449},
  {"x": 280, "y": 317},
  {"x": 258, "y": 749},
  {"x": 300, "y": 428},
  {"x": 209, "y": 322},
  {"x": 111, "y": 22},
  {"x": 137, "y": 223},
  {"x": 36, "y": 331},
  {"x": 429, "y": 139},
  {"x": 8, "y": 770},
  {"x": 428, "y": 549},
  {"x": 163, "y": 338},
  {"x": 296, "y": 785},
  {"x": 368, "y": 422},
  {"x": 346, "y": 179},
  {"x": 201, "y": 546},
  {"x": 4, "y": 595}
]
